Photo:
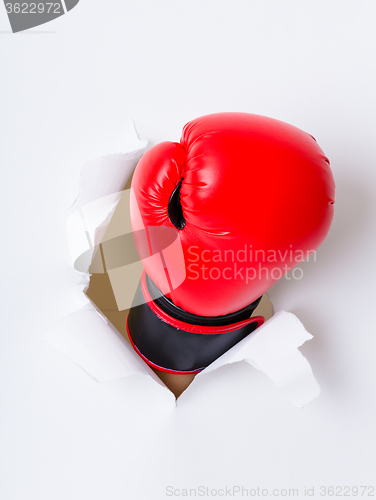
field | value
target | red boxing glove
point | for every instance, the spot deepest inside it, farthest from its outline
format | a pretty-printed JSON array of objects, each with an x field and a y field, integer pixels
[{"x": 247, "y": 197}]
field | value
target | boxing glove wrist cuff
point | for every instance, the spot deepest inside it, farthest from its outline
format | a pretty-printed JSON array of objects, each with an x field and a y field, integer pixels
[{"x": 175, "y": 341}]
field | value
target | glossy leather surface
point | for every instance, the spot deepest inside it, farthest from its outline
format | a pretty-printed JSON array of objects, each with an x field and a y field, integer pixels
[{"x": 248, "y": 184}]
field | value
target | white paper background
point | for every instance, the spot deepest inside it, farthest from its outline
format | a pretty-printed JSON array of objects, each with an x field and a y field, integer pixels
[{"x": 64, "y": 436}]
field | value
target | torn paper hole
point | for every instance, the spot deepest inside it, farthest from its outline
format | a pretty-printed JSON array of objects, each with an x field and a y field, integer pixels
[{"x": 103, "y": 253}]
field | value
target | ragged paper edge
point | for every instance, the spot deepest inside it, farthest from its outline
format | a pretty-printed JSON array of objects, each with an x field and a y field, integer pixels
[
  {"x": 100, "y": 185},
  {"x": 274, "y": 349},
  {"x": 92, "y": 343},
  {"x": 86, "y": 337},
  {"x": 89, "y": 340}
]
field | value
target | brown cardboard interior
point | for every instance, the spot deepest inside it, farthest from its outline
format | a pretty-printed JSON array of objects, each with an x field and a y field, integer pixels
[{"x": 112, "y": 288}]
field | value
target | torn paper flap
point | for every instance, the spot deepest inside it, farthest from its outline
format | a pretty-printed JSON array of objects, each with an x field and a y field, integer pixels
[
  {"x": 86, "y": 227},
  {"x": 108, "y": 173},
  {"x": 86, "y": 338},
  {"x": 99, "y": 349},
  {"x": 273, "y": 349},
  {"x": 101, "y": 185}
]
